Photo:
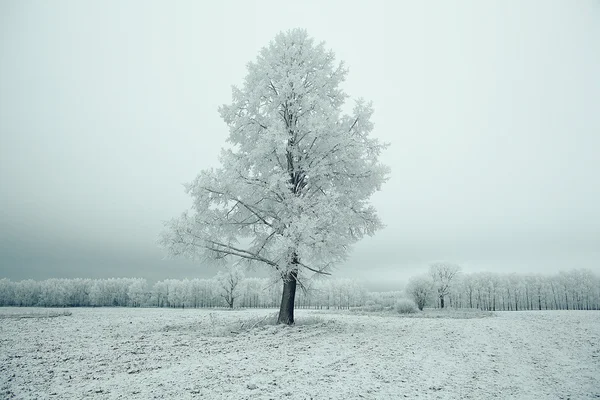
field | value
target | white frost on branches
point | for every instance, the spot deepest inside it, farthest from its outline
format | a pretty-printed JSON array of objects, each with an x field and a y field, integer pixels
[
  {"x": 442, "y": 274},
  {"x": 228, "y": 282},
  {"x": 293, "y": 188}
]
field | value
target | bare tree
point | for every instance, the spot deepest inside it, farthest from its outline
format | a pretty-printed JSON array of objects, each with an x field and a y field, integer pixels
[
  {"x": 228, "y": 283},
  {"x": 442, "y": 274}
]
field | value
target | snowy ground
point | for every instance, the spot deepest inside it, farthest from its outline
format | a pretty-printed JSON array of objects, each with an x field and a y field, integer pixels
[{"x": 181, "y": 354}]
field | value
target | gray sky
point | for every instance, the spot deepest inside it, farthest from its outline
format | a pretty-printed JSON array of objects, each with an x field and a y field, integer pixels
[{"x": 491, "y": 109}]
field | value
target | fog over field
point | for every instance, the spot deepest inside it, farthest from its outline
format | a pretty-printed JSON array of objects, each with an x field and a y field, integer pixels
[
  {"x": 107, "y": 108},
  {"x": 304, "y": 200}
]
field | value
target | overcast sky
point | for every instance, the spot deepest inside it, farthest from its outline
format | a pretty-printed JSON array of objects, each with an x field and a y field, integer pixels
[{"x": 491, "y": 109}]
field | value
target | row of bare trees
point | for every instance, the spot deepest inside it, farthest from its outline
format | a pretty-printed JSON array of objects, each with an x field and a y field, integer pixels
[
  {"x": 228, "y": 289},
  {"x": 577, "y": 289},
  {"x": 443, "y": 286}
]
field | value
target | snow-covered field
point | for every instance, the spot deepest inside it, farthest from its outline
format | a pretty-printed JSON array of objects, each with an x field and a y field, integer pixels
[{"x": 182, "y": 354}]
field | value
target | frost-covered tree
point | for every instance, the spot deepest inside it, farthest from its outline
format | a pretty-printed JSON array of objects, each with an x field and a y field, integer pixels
[
  {"x": 7, "y": 292},
  {"x": 294, "y": 185},
  {"x": 419, "y": 289},
  {"x": 442, "y": 274},
  {"x": 229, "y": 281},
  {"x": 137, "y": 292}
]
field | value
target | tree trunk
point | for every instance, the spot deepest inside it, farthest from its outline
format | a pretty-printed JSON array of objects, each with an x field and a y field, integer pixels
[
  {"x": 286, "y": 310},
  {"x": 442, "y": 301}
]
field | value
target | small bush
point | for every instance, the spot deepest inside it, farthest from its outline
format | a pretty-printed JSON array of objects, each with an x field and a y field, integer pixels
[
  {"x": 405, "y": 306},
  {"x": 371, "y": 306}
]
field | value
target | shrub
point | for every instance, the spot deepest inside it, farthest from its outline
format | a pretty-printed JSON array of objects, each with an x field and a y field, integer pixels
[
  {"x": 406, "y": 306},
  {"x": 419, "y": 288},
  {"x": 372, "y": 306}
]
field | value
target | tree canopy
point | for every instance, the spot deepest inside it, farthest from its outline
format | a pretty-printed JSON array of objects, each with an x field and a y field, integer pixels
[{"x": 294, "y": 184}]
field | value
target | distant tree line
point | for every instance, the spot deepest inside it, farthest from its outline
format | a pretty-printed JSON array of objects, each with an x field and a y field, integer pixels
[
  {"x": 229, "y": 289},
  {"x": 577, "y": 289},
  {"x": 444, "y": 284}
]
